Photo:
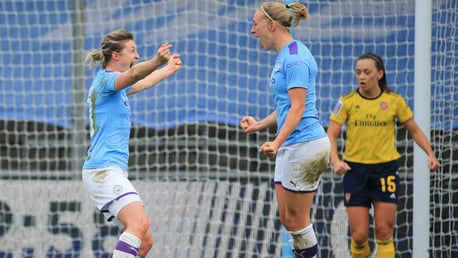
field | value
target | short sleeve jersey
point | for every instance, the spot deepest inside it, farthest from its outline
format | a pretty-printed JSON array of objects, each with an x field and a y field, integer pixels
[
  {"x": 295, "y": 67},
  {"x": 109, "y": 122},
  {"x": 370, "y": 126}
]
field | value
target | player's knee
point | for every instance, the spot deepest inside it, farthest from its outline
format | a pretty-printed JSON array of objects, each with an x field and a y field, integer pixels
[
  {"x": 149, "y": 242},
  {"x": 383, "y": 232},
  {"x": 359, "y": 234},
  {"x": 294, "y": 221},
  {"x": 359, "y": 238},
  {"x": 290, "y": 224},
  {"x": 139, "y": 227},
  {"x": 146, "y": 245},
  {"x": 144, "y": 227}
]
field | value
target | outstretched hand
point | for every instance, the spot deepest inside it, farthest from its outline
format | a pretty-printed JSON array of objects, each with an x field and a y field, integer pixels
[
  {"x": 175, "y": 62},
  {"x": 163, "y": 53}
]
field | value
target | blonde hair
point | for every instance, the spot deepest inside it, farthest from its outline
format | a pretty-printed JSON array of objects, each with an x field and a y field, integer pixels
[
  {"x": 112, "y": 42},
  {"x": 286, "y": 15}
]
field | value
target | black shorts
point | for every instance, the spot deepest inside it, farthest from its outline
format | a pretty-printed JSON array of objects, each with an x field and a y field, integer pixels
[{"x": 366, "y": 183}]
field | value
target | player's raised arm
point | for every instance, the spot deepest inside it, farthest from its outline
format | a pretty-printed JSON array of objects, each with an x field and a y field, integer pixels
[{"x": 173, "y": 65}]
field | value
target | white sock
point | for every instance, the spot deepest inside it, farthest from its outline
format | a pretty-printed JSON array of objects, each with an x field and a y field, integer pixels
[
  {"x": 304, "y": 242},
  {"x": 127, "y": 246}
]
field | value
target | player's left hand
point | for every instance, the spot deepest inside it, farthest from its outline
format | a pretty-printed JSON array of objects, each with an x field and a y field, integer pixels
[{"x": 269, "y": 149}]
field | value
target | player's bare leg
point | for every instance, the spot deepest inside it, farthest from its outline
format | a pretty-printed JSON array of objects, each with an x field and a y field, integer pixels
[
  {"x": 358, "y": 218},
  {"x": 384, "y": 216},
  {"x": 294, "y": 215},
  {"x": 133, "y": 241}
]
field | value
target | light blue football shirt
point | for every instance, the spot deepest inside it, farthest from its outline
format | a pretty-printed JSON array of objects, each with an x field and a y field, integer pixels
[
  {"x": 109, "y": 118},
  {"x": 296, "y": 67}
]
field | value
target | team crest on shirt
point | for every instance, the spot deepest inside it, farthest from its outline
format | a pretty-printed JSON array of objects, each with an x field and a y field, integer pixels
[
  {"x": 337, "y": 108},
  {"x": 383, "y": 105}
]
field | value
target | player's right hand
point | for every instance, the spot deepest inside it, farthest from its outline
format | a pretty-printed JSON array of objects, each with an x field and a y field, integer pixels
[
  {"x": 340, "y": 167},
  {"x": 163, "y": 53},
  {"x": 248, "y": 124},
  {"x": 175, "y": 62}
]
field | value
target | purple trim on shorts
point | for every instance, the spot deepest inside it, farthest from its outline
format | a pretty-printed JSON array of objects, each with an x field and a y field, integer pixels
[
  {"x": 122, "y": 195},
  {"x": 126, "y": 248},
  {"x": 293, "y": 191},
  {"x": 104, "y": 208}
]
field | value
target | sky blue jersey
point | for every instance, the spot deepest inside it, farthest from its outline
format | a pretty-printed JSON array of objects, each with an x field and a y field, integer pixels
[
  {"x": 109, "y": 123},
  {"x": 296, "y": 67}
]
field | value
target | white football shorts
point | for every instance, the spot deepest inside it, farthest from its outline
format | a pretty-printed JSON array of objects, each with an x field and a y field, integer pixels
[
  {"x": 298, "y": 167},
  {"x": 110, "y": 189}
]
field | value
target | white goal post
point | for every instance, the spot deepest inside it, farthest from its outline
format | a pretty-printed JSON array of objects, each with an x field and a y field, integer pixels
[{"x": 206, "y": 188}]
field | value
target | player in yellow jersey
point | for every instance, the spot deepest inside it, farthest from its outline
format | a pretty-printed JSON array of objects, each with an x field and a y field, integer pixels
[{"x": 370, "y": 158}]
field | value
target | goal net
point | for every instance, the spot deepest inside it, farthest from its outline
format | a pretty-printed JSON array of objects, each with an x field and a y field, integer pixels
[{"x": 206, "y": 188}]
